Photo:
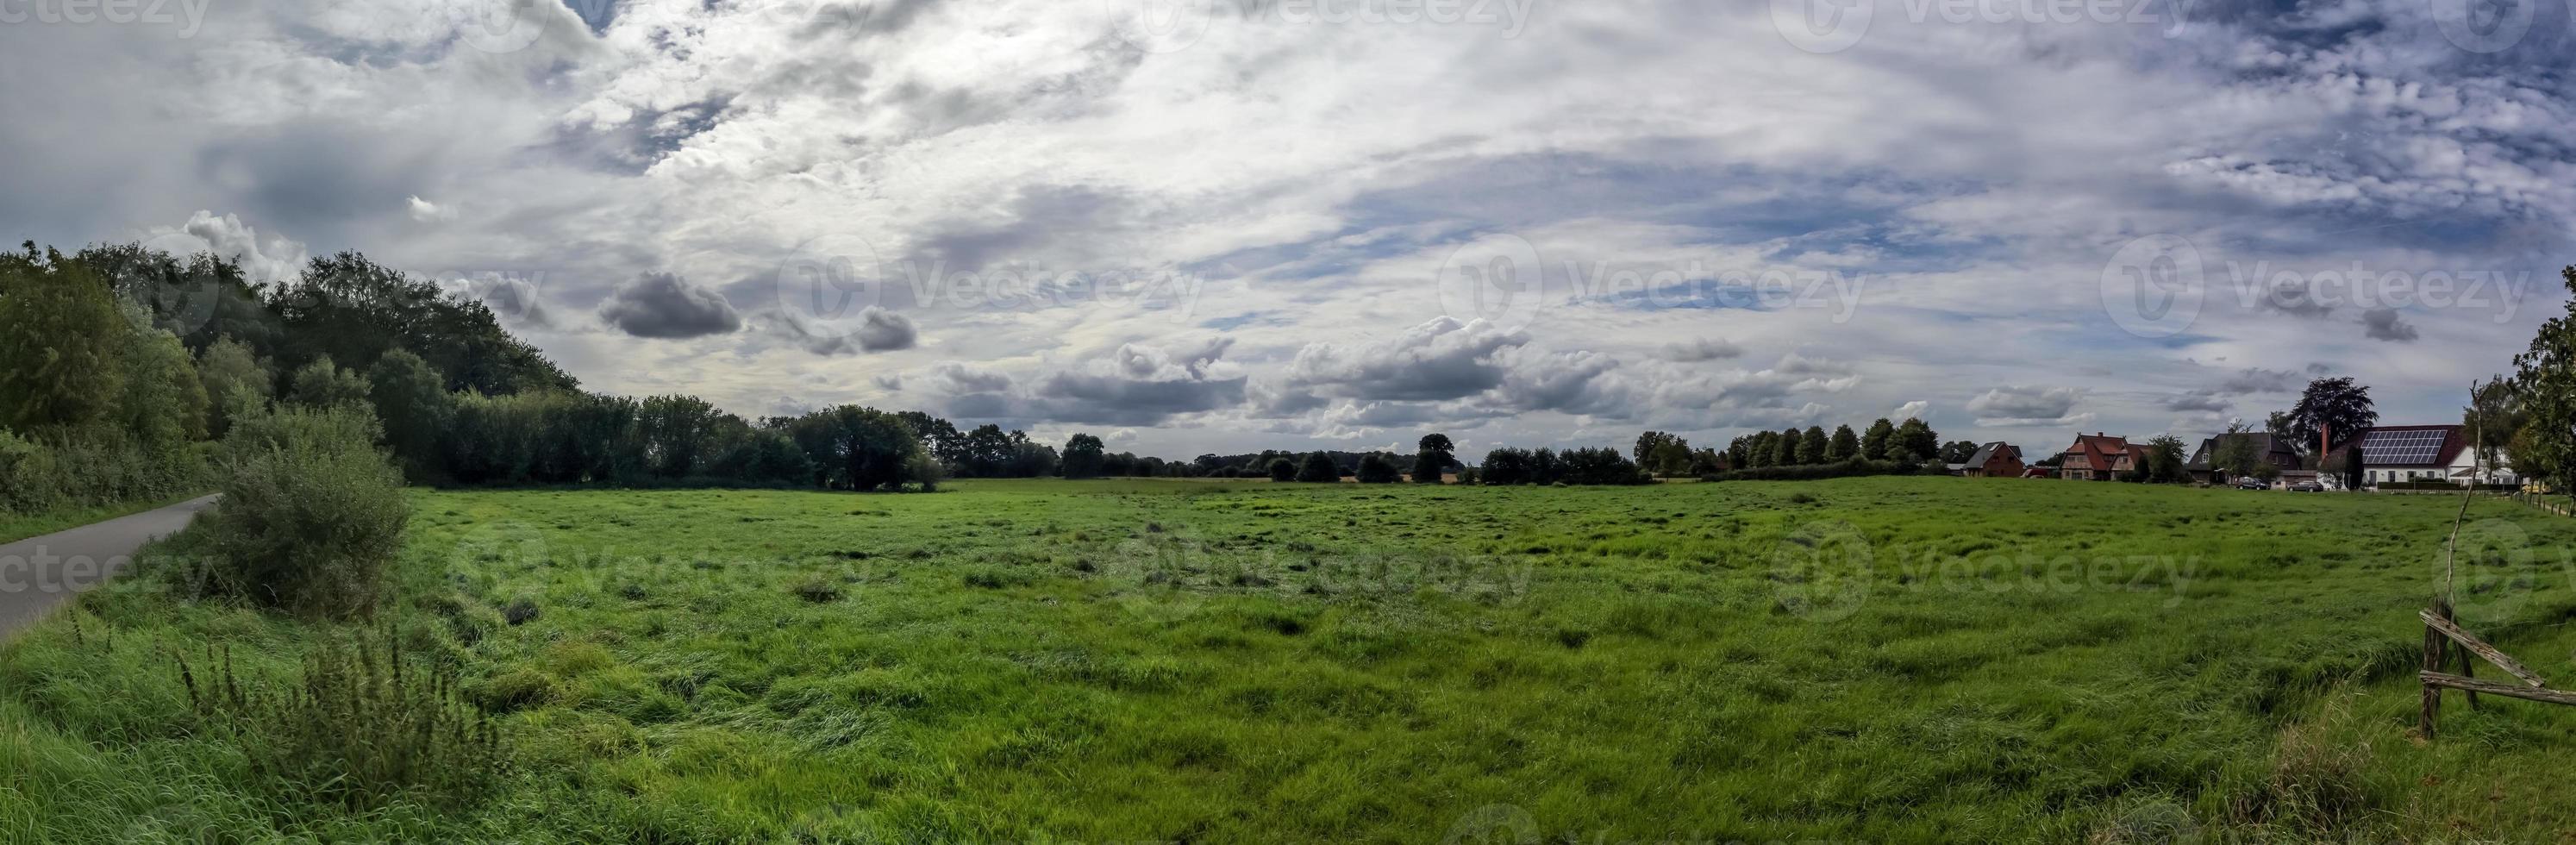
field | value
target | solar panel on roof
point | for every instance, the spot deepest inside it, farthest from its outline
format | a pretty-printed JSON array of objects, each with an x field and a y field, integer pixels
[{"x": 2403, "y": 447}]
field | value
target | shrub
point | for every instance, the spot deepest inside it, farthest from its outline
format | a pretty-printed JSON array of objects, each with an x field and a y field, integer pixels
[
  {"x": 1282, "y": 470},
  {"x": 356, "y": 727},
  {"x": 1376, "y": 469},
  {"x": 313, "y": 513},
  {"x": 1318, "y": 468}
]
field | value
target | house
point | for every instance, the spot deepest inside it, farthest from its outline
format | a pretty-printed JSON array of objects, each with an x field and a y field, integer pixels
[
  {"x": 2098, "y": 457},
  {"x": 1993, "y": 460},
  {"x": 2420, "y": 453},
  {"x": 2275, "y": 451}
]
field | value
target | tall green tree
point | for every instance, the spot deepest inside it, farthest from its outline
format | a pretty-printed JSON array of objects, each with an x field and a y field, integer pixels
[
  {"x": 60, "y": 339},
  {"x": 415, "y": 409},
  {"x": 2545, "y": 384},
  {"x": 323, "y": 384},
  {"x": 2164, "y": 464},
  {"x": 164, "y": 403},
  {"x": 1874, "y": 442},
  {"x": 2492, "y": 419},
  {"x": 1914, "y": 441},
  {"x": 1812, "y": 445},
  {"x": 1318, "y": 468},
  {"x": 1844, "y": 446},
  {"x": 236, "y": 381},
  {"x": 2336, "y": 406},
  {"x": 1433, "y": 457},
  {"x": 1786, "y": 448},
  {"x": 1083, "y": 456},
  {"x": 1376, "y": 468}
]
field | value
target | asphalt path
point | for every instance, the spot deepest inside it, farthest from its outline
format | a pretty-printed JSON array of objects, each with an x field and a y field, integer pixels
[{"x": 39, "y": 574}]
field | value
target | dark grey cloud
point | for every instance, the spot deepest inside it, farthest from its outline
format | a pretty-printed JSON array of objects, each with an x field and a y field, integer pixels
[
  {"x": 961, "y": 378},
  {"x": 1138, "y": 384},
  {"x": 2383, "y": 324},
  {"x": 2013, "y": 406},
  {"x": 878, "y": 330},
  {"x": 1437, "y": 360},
  {"x": 2198, "y": 400},
  {"x": 1702, "y": 349},
  {"x": 2259, "y": 380},
  {"x": 665, "y": 306}
]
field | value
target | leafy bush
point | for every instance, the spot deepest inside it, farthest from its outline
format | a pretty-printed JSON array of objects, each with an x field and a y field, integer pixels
[
  {"x": 1318, "y": 468},
  {"x": 312, "y": 515},
  {"x": 1376, "y": 469}
]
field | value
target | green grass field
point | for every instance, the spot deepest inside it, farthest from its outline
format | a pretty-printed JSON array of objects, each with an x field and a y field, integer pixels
[{"x": 1882, "y": 660}]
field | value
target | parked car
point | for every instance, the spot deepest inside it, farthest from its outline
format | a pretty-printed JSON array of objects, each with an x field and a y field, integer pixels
[
  {"x": 2307, "y": 487},
  {"x": 2252, "y": 483}
]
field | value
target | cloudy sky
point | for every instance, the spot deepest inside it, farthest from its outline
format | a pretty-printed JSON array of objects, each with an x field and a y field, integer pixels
[{"x": 1200, "y": 225}]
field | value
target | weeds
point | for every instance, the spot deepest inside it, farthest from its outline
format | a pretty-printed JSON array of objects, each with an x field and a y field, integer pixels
[{"x": 355, "y": 727}]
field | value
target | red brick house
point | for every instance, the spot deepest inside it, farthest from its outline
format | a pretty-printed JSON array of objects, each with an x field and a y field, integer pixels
[
  {"x": 2098, "y": 457},
  {"x": 1993, "y": 460}
]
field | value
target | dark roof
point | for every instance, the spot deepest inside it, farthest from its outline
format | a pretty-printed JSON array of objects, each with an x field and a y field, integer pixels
[
  {"x": 2407, "y": 445},
  {"x": 1987, "y": 453},
  {"x": 2264, "y": 444}
]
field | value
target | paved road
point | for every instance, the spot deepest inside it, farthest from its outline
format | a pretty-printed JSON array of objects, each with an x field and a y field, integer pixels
[{"x": 38, "y": 574}]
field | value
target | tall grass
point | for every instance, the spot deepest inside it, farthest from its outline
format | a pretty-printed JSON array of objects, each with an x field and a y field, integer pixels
[{"x": 1213, "y": 661}]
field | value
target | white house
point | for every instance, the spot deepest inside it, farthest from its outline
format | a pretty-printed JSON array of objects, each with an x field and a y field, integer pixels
[{"x": 2422, "y": 453}]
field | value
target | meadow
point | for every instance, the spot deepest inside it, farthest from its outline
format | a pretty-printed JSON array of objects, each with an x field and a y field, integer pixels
[{"x": 1866, "y": 660}]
